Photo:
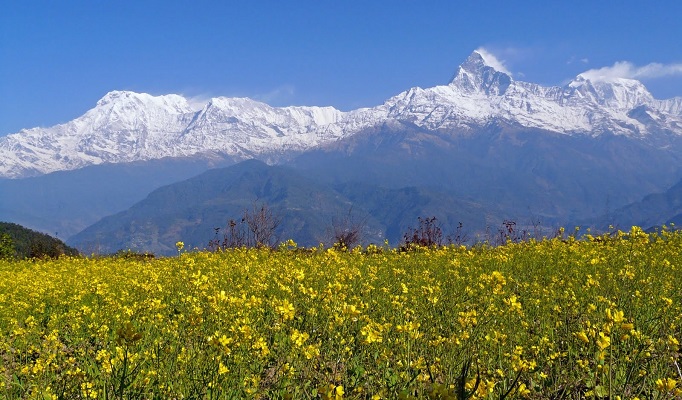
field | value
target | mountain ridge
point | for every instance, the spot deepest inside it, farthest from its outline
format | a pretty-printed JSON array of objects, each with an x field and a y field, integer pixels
[
  {"x": 191, "y": 210},
  {"x": 127, "y": 126}
]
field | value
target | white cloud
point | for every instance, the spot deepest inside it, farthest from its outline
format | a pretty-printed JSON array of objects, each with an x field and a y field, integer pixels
[
  {"x": 656, "y": 70},
  {"x": 574, "y": 59},
  {"x": 626, "y": 69},
  {"x": 491, "y": 60},
  {"x": 198, "y": 102},
  {"x": 279, "y": 94}
]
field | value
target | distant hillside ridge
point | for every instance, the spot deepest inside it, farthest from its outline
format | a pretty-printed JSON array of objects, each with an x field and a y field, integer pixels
[
  {"x": 308, "y": 210},
  {"x": 28, "y": 243}
]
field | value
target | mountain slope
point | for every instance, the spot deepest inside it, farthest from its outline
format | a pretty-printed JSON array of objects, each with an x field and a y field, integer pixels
[
  {"x": 66, "y": 202},
  {"x": 28, "y": 243},
  {"x": 653, "y": 210},
  {"x": 557, "y": 178},
  {"x": 190, "y": 210}
]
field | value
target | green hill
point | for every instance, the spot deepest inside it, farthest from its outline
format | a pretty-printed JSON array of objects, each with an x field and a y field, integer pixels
[{"x": 27, "y": 243}]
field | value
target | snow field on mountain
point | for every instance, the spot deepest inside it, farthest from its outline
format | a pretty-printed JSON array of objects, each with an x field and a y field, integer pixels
[{"x": 127, "y": 126}]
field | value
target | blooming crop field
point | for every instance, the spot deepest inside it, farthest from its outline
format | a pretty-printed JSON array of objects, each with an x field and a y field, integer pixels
[{"x": 599, "y": 318}]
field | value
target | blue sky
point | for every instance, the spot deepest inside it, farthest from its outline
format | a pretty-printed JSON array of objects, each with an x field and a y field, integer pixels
[{"x": 58, "y": 58}]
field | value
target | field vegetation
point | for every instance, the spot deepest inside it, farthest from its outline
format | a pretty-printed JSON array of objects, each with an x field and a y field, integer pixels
[{"x": 599, "y": 317}]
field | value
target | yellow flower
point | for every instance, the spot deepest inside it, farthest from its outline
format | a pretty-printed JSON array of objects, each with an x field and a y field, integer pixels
[
  {"x": 513, "y": 304},
  {"x": 523, "y": 390},
  {"x": 222, "y": 369},
  {"x": 405, "y": 290},
  {"x": 372, "y": 333},
  {"x": 603, "y": 341},
  {"x": 626, "y": 326},
  {"x": 351, "y": 310},
  {"x": 311, "y": 351},
  {"x": 412, "y": 328},
  {"x": 582, "y": 336},
  {"x": 87, "y": 390},
  {"x": 286, "y": 310},
  {"x": 616, "y": 317},
  {"x": 225, "y": 341},
  {"x": 299, "y": 338},
  {"x": 261, "y": 345},
  {"x": 665, "y": 385}
]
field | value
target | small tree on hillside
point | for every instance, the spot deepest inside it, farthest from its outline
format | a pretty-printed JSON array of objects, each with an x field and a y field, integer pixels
[{"x": 7, "y": 250}]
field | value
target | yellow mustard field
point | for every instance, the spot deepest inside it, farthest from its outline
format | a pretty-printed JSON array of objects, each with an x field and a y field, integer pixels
[{"x": 559, "y": 318}]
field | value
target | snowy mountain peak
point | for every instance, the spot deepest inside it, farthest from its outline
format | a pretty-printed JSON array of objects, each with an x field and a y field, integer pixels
[
  {"x": 234, "y": 103},
  {"x": 481, "y": 73},
  {"x": 616, "y": 93},
  {"x": 115, "y": 96},
  {"x": 474, "y": 62},
  {"x": 478, "y": 60},
  {"x": 126, "y": 99}
]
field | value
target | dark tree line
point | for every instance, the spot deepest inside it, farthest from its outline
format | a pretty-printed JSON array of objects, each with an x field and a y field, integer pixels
[{"x": 19, "y": 242}]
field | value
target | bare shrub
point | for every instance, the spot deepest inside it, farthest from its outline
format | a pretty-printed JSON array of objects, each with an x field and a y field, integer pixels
[
  {"x": 459, "y": 237},
  {"x": 428, "y": 234},
  {"x": 234, "y": 236},
  {"x": 261, "y": 225},
  {"x": 346, "y": 231},
  {"x": 510, "y": 232},
  {"x": 256, "y": 228}
]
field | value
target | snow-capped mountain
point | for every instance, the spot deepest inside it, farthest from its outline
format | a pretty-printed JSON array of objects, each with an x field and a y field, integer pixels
[
  {"x": 479, "y": 94},
  {"x": 127, "y": 126}
]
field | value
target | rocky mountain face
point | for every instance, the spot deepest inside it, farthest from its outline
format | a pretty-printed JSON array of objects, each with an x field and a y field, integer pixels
[{"x": 126, "y": 126}]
